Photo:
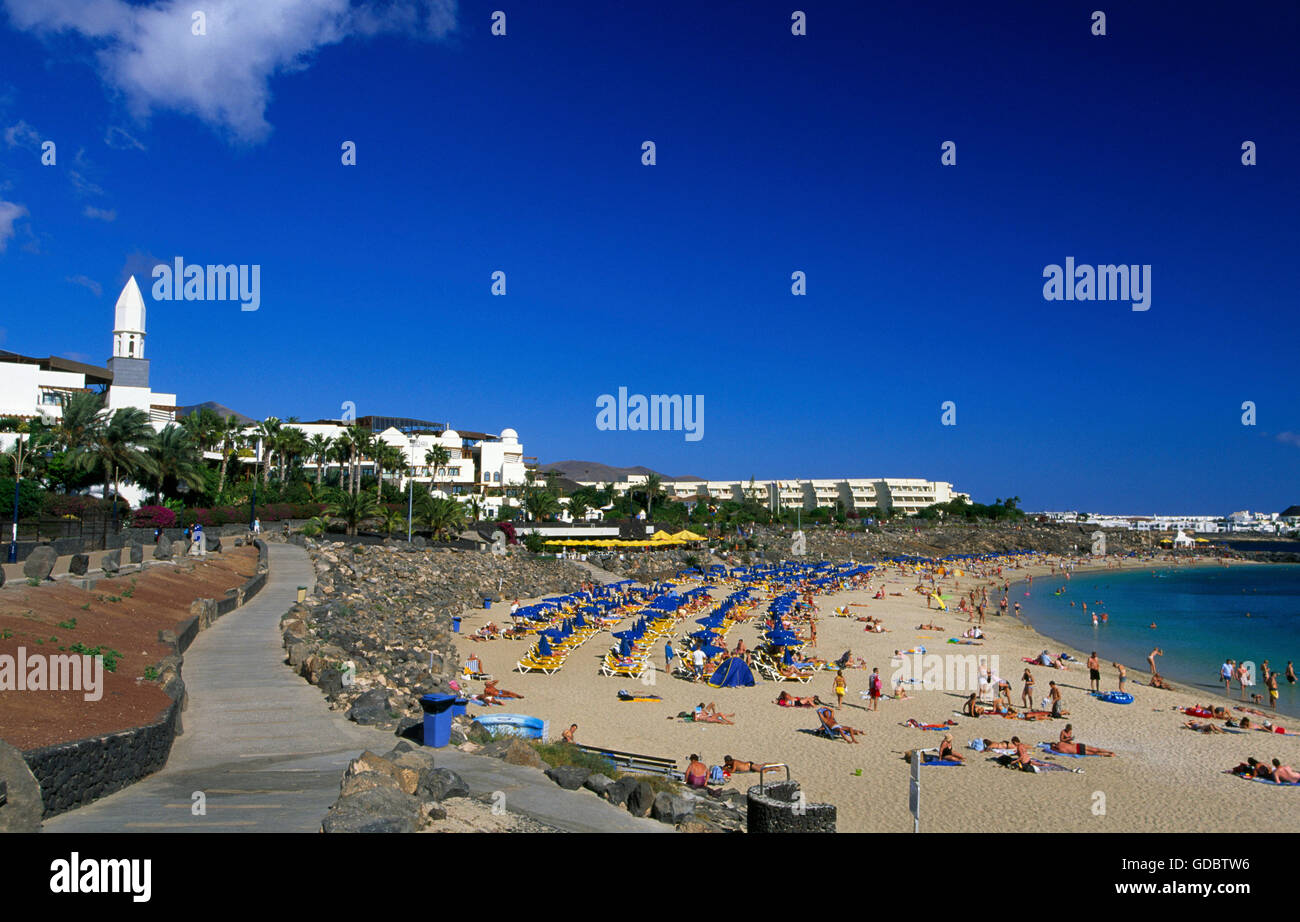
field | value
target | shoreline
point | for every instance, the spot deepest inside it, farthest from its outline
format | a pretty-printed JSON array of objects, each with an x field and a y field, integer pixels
[{"x": 1135, "y": 671}]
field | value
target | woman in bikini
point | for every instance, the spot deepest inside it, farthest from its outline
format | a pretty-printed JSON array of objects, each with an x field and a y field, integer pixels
[
  {"x": 946, "y": 753},
  {"x": 971, "y": 708},
  {"x": 1027, "y": 695}
]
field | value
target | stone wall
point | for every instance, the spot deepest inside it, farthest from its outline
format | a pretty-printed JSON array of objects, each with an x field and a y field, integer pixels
[{"x": 779, "y": 807}]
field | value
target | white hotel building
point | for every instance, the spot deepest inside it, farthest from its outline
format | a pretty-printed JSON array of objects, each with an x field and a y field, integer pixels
[
  {"x": 905, "y": 496},
  {"x": 30, "y": 387}
]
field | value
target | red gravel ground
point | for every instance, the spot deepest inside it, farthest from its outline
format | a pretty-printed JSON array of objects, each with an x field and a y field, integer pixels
[{"x": 50, "y": 618}]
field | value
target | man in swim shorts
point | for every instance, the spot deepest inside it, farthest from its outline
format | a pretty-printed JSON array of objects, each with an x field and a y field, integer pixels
[{"x": 1094, "y": 672}]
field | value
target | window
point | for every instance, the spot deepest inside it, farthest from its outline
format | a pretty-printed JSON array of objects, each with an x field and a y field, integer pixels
[{"x": 497, "y": 476}]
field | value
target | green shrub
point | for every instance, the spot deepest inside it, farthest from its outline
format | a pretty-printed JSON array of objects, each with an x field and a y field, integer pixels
[{"x": 562, "y": 753}]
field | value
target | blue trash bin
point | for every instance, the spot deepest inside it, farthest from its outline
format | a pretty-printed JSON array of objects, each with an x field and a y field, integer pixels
[
  {"x": 458, "y": 709},
  {"x": 455, "y": 624},
  {"x": 487, "y": 603},
  {"x": 437, "y": 719}
]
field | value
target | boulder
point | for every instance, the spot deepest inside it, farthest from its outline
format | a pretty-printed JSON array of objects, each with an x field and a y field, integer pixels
[
  {"x": 40, "y": 564},
  {"x": 162, "y": 551},
  {"x": 372, "y": 707},
  {"x": 516, "y": 752},
  {"x": 597, "y": 783},
  {"x": 112, "y": 562},
  {"x": 378, "y": 809},
  {"x": 79, "y": 564},
  {"x": 641, "y": 799},
  {"x": 569, "y": 777},
  {"x": 214, "y": 544},
  {"x": 616, "y": 792},
  {"x": 135, "y": 552},
  {"x": 180, "y": 547},
  {"x": 407, "y": 779},
  {"x": 20, "y": 805},
  {"x": 695, "y": 824},
  {"x": 671, "y": 808}
]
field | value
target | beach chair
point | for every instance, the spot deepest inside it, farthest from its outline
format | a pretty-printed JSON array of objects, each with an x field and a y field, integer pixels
[
  {"x": 629, "y": 667},
  {"x": 825, "y": 726}
]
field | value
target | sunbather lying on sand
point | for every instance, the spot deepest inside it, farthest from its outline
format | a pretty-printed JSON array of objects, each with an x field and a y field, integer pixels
[
  {"x": 928, "y": 627},
  {"x": 1067, "y": 744},
  {"x": 490, "y": 690},
  {"x": 916, "y": 724},
  {"x": 1201, "y": 727},
  {"x": 711, "y": 714},
  {"x": 787, "y": 700},
  {"x": 731, "y": 766}
]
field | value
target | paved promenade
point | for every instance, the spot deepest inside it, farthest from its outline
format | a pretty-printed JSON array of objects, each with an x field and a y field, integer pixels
[{"x": 268, "y": 753}]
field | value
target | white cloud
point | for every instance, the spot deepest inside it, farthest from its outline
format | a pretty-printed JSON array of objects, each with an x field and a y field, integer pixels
[
  {"x": 100, "y": 214},
  {"x": 120, "y": 139},
  {"x": 1289, "y": 438},
  {"x": 86, "y": 282},
  {"x": 23, "y": 135},
  {"x": 9, "y": 213},
  {"x": 149, "y": 54}
]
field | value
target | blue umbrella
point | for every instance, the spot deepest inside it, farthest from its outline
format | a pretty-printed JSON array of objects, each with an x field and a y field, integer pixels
[{"x": 543, "y": 647}]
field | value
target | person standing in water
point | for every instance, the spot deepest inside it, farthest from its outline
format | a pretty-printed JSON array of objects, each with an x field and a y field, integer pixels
[
  {"x": 1290, "y": 672},
  {"x": 1151, "y": 659}
]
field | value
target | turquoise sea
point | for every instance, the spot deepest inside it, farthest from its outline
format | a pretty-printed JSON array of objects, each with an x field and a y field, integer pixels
[{"x": 1200, "y": 615}]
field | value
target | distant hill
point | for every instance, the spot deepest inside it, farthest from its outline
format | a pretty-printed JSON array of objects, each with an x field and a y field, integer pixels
[
  {"x": 217, "y": 408},
  {"x": 594, "y": 470}
]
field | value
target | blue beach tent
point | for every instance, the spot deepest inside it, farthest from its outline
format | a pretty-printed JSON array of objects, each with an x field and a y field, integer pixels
[{"x": 732, "y": 673}]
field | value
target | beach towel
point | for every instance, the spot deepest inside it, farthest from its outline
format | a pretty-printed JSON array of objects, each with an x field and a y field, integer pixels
[
  {"x": 1053, "y": 767},
  {"x": 929, "y": 761},
  {"x": 629, "y": 696}
]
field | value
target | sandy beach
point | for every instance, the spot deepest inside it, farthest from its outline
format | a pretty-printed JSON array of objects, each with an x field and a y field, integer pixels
[{"x": 1164, "y": 778}]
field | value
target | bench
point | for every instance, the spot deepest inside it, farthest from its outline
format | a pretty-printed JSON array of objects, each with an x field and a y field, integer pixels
[{"x": 631, "y": 762}]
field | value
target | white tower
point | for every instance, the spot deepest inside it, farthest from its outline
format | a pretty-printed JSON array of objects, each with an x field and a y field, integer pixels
[{"x": 128, "y": 324}]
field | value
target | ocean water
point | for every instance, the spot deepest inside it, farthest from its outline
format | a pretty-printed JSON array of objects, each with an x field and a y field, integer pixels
[{"x": 1200, "y": 617}]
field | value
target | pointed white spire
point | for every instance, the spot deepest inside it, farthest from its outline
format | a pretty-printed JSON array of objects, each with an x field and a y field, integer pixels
[{"x": 128, "y": 324}]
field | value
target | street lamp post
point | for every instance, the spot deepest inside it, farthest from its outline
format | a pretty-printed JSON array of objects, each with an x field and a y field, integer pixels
[
  {"x": 410, "y": 491},
  {"x": 18, "y": 473}
]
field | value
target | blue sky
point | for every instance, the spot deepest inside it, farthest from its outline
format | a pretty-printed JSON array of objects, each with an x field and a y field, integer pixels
[{"x": 776, "y": 153}]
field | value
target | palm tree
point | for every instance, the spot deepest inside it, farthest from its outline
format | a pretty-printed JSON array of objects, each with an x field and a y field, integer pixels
[
  {"x": 343, "y": 450},
  {"x": 475, "y": 508},
  {"x": 361, "y": 442},
  {"x": 353, "y": 510},
  {"x": 80, "y": 417},
  {"x": 292, "y": 445},
  {"x": 318, "y": 447},
  {"x": 439, "y": 514},
  {"x": 652, "y": 489},
  {"x": 437, "y": 458},
  {"x": 540, "y": 505},
  {"x": 203, "y": 427},
  {"x": 391, "y": 520},
  {"x": 268, "y": 431},
  {"x": 230, "y": 436},
  {"x": 115, "y": 447},
  {"x": 176, "y": 460},
  {"x": 578, "y": 508}
]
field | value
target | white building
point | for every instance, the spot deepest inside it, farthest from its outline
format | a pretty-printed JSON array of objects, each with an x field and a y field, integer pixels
[
  {"x": 862, "y": 495},
  {"x": 35, "y": 387}
]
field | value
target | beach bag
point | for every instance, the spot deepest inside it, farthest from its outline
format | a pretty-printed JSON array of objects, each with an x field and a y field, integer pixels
[
  {"x": 977, "y": 745},
  {"x": 716, "y": 775}
]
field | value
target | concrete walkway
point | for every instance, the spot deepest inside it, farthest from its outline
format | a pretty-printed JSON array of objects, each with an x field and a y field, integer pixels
[{"x": 268, "y": 754}]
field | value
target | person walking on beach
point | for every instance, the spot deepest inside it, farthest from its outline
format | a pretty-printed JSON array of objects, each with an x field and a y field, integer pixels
[
  {"x": 1119, "y": 668},
  {"x": 1242, "y": 674},
  {"x": 840, "y": 688},
  {"x": 698, "y": 659},
  {"x": 1226, "y": 672},
  {"x": 1027, "y": 693},
  {"x": 1094, "y": 672},
  {"x": 1054, "y": 695},
  {"x": 874, "y": 688},
  {"x": 668, "y": 656},
  {"x": 1151, "y": 659}
]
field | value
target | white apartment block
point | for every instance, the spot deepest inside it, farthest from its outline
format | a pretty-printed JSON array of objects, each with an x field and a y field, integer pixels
[
  {"x": 906, "y": 496},
  {"x": 1201, "y": 524}
]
